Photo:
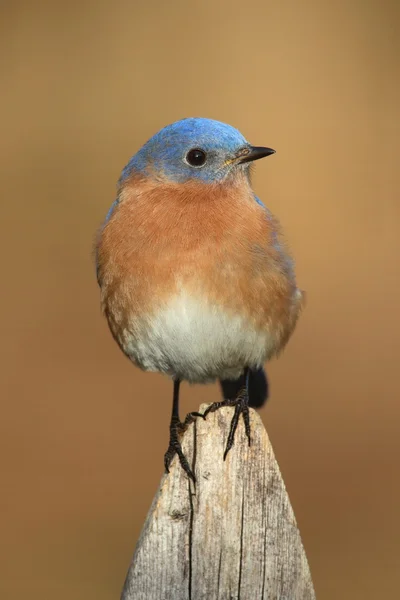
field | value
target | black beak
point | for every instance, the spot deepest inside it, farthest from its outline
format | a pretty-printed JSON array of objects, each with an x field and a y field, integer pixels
[{"x": 254, "y": 153}]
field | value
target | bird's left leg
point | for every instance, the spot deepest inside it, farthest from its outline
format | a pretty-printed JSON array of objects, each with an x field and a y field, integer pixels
[
  {"x": 176, "y": 429},
  {"x": 241, "y": 404}
]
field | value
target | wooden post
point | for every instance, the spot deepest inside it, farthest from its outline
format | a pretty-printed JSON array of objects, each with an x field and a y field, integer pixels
[{"x": 232, "y": 536}]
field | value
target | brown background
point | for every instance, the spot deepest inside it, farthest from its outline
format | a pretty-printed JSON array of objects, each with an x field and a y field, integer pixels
[{"x": 82, "y": 431}]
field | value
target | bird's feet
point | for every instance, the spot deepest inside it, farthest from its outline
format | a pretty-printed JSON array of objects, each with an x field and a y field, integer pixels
[
  {"x": 241, "y": 404},
  {"x": 176, "y": 429}
]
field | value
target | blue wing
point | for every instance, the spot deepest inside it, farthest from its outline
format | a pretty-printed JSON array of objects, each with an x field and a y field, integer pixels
[{"x": 257, "y": 199}]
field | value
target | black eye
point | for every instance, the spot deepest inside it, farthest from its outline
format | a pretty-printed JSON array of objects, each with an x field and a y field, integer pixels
[{"x": 196, "y": 157}]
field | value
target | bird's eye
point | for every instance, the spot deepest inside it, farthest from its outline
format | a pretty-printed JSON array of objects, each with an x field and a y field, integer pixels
[{"x": 196, "y": 157}]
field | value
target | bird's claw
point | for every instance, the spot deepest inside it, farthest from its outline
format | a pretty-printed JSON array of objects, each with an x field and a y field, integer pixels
[
  {"x": 241, "y": 407},
  {"x": 177, "y": 428}
]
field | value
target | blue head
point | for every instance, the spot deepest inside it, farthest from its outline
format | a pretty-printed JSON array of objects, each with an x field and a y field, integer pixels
[{"x": 195, "y": 148}]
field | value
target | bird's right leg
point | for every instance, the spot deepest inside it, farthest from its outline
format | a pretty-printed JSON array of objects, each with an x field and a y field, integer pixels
[
  {"x": 176, "y": 429},
  {"x": 241, "y": 404}
]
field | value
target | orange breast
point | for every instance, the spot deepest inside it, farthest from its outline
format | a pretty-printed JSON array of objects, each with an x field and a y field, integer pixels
[{"x": 214, "y": 241}]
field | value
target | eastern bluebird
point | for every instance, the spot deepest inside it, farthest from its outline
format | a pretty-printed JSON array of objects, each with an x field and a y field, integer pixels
[{"x": 194, "y": 276}]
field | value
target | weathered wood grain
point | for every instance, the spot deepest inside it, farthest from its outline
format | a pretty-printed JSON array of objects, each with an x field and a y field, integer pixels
[{"x": 232, "y": 536}]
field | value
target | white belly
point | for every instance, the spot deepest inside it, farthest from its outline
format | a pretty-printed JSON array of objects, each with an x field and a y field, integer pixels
[{"x": 194, "y": 341}]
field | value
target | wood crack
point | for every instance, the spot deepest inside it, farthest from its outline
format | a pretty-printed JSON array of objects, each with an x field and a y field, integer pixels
[
  {"x": 241, "y": 543},
  {"x": 191, "y": 517}
]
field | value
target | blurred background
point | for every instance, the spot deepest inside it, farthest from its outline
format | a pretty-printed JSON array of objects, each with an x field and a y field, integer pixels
[{"x": 83, "y": 433}]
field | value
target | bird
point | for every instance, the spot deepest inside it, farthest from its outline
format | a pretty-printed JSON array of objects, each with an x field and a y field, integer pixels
[{"x": 196, "y": 280}]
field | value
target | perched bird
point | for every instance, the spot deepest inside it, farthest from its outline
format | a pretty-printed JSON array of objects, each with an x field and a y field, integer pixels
[{"x": 194, "y": 276}]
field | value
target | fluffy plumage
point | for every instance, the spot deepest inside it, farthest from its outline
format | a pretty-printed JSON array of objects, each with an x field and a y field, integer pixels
[{"x": 194, "y": 279}]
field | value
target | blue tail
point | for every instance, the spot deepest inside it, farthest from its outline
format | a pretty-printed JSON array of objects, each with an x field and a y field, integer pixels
[{"x": 258, "y": 388}]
